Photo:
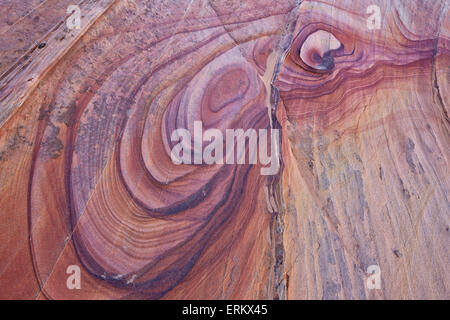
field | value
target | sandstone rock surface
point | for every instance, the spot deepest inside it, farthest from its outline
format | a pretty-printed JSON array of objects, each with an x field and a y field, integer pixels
[{"x": 86, "y": 177}]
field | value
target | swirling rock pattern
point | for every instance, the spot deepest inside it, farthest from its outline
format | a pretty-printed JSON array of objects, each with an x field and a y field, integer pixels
[{"x": 85, "y": 139}]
